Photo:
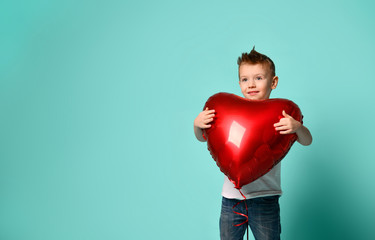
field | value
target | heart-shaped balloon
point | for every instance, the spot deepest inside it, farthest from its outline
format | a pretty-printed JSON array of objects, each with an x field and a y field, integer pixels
[{"x": 242, "y": 139}]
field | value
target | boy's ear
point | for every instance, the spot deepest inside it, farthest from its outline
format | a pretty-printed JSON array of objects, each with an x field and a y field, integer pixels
[{"x": 275, "y": 80}]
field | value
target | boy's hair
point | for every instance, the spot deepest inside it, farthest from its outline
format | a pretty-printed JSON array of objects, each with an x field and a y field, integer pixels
[{"x": 255, "y": 57}]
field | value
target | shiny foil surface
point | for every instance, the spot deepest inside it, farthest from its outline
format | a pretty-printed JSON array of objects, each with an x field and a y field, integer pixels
[{"x": 242, "y": 139}]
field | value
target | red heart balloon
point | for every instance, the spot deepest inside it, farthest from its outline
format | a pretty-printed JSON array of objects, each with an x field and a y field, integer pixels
[{"x": 242, "y": 139}]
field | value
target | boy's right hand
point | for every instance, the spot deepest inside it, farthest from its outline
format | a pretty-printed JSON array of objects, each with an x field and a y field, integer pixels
[{"x": 204, "y": 118}]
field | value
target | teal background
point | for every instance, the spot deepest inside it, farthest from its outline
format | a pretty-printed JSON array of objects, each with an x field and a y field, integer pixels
[{"x": 98, "y": 99}]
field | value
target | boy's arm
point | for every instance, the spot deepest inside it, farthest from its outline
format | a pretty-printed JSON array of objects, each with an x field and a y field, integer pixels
[
  {"x": 201, "y": 122},
  {"x": 199, "y": 134},
  {"x": 288, "y": 125},
  {"x": 304, "y": 136}
]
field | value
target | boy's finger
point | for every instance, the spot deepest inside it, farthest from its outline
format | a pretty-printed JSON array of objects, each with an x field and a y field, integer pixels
[
  {"x": 281, "y": 128},
  {"x": 285, "y": 132},
  {"x": 283, "y": 120},
  {"x": 278, "y": 124}
]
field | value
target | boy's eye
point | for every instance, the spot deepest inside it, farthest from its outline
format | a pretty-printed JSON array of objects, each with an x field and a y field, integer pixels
[
  {"x": 244, "y": 79},
  {"x": 259, "y": 78}
]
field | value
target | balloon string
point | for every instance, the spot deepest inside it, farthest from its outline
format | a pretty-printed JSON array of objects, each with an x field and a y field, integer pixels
[
  {"x": 204, "y": 137},
  {"x": 241, "y": 214}
]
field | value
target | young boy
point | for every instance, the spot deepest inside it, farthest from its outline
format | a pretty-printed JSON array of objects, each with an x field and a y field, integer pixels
[{"x": 257, "y": 79}]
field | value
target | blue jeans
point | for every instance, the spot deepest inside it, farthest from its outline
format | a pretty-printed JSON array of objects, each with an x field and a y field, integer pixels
[{"x": 264, "y": 218}]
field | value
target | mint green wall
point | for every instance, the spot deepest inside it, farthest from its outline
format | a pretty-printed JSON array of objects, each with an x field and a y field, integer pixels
[{"x": 98, "y": 98}]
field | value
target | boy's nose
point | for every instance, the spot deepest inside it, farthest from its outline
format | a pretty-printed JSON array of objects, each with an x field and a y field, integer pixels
[{"x": 251, "y": 84}]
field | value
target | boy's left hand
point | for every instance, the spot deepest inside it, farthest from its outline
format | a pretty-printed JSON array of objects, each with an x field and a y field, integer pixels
[{"x": 287, "y": 124}]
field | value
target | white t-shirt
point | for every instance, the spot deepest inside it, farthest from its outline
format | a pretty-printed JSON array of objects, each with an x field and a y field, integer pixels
[{"x": 267, "y": 185}]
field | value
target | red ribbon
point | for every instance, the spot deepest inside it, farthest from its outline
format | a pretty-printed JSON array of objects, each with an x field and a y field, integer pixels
[{"x": 241, "y": 214}]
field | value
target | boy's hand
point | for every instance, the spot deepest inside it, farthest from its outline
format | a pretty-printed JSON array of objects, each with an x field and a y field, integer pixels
[
  {"x": 204, "y": 118},
  {"x": 287, "y": 124}
]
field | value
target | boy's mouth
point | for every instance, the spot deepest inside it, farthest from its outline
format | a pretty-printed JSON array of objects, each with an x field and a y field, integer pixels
[{"x": 252, "y": 93}]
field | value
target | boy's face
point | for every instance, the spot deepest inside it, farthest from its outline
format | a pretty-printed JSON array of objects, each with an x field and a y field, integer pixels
[{"x": 256, "y": 81}]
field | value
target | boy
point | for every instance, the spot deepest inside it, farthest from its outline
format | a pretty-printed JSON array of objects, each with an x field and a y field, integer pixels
[{"x": 256, "y": 79}]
